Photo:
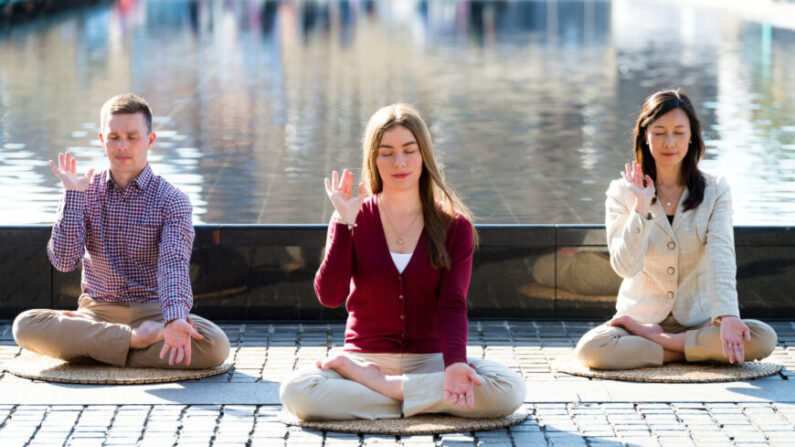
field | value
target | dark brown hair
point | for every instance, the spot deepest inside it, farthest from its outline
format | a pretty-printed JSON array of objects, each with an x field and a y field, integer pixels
[
  {"x": 439, "y": 202},
  {"x": 126, "y": 104},
  {"x": 656, "y": 106}
]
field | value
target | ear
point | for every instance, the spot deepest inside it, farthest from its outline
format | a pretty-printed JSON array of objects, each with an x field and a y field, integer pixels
[
  {"x": 152, "y": 138},
  {"x": 101, "y": 139}
]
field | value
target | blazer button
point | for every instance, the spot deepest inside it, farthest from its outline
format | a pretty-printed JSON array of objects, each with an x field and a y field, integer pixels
[
  {"x": 669, "y": 294},
  {"x": 637, "y": 230},
  {"x": 672, "y": 245},
  {"x": 671, "y": 270}
]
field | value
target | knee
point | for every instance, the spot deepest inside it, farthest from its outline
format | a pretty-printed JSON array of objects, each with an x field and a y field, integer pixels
[
  {"x": 763, "y": 339},
  {"x": 506, "y": 391},
  {"x": 296, "y": 394},
  {"x": 23, "y": 329},
  {"x": 218, "y": 346},
  {"x": 591, "y": 353}
]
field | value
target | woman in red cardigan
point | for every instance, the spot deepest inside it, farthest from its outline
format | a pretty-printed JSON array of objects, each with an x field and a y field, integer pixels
[{"x": 401, "y": 261}]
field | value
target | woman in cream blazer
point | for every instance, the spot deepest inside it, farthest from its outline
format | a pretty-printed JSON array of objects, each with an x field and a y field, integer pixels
[{"x": 671, "y": 239}]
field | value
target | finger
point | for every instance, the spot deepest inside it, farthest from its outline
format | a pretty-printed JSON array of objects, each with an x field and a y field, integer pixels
[
  {"x": 627, "y": 171},
  {"x": 648, "y": 181},
  {"x": 187, "y": 354},
  {"x": 448, "y": 397},
  {"x": 180, "y": 355},
  {"x": 731, "y": 353},
  {"x": 349, "y": 184},
  {"x": 195, "y": 334},
  {"x": 61, "y": 165},
  {"x": 335, "y": 186},
  {"x": 740, "y": 352},
  {"x": 725, "y": 346},
  {"x": 327, "y": 183},
  {"x": 747, "y": 334},
  {"x": 475, "y": 379},
  {"x": 73, "y": 165},
  {"x": 344, "y": 180},
  {"x": 164, "y": 350},
  {"x": 462, "y": 400},
  {"x": 172, "y": 355},
  {"x": 471, "y": 399},
  {"x": 453, "y": 398},
  {"x": 90, "y": 174},
  {"x": 55, "y": 170}
]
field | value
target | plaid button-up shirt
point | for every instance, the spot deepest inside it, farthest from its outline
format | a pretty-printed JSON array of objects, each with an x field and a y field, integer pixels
[{"x": 135, "y": 243}]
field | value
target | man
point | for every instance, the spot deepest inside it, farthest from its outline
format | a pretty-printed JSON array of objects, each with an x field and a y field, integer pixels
[{"x": 133, "y": 231}]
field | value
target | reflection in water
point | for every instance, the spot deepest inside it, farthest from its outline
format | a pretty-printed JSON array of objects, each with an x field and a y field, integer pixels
[{"x": 531, "y": 104}]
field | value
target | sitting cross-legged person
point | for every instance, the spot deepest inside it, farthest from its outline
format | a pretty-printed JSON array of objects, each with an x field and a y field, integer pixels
[
  {"x": 401, "y": 260},
  {"x": 133, "y": 231}
]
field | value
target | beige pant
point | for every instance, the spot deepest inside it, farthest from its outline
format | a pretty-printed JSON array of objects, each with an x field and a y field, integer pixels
[
  {"x": 313, "y": 393},
  {"x": 104, "y": 335},
  {"x": 605, "y": 347}
]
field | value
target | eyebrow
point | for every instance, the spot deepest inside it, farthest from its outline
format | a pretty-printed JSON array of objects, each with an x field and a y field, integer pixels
[
  {"x": 386, "y": 146},
  {"x": 660, "y": 125}
]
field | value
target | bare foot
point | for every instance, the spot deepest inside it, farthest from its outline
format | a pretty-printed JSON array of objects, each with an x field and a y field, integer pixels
[
  {"x": 635, "y": 328},
  {"x": 368, "y": 374},
  {"x": 70, "y": 314},
  {"x": 147, "y": 334}
]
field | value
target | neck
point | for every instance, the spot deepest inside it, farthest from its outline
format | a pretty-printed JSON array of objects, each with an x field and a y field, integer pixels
[
  {"x": 402, "y": 202},
  {"x": 669, "y": 176},
  {"x": 122, "y": 179}
]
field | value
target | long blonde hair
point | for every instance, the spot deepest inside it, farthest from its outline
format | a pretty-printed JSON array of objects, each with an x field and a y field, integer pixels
[{"x": 439, "y": 203}]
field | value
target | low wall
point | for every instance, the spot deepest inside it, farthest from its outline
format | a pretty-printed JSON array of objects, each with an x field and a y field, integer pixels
[{"x": 265, "y": 272}]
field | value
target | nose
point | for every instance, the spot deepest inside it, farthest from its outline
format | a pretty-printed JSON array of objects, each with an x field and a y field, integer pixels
[
  {"x": 400, "y": 159},
  {"x": 669, "y": 140}
]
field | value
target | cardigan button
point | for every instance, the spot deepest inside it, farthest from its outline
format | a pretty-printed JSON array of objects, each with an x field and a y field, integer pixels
[
  {"x": 402, "y": 317},
  {"x": 403, "y": 335},
  {"x": 400, "y": 297},
  {"x": 671, "y": 270},
  {"x": 669, "y": 294},
  {"x": 400, "y": 278},
  {"x": 672, "y": 245}
]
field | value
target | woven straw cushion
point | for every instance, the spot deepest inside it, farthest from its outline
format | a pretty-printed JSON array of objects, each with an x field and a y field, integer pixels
[
  {"x": 423, "y": 424},
  {"x": 37, "y": 367},
  {"x": 673, "y": 372}
]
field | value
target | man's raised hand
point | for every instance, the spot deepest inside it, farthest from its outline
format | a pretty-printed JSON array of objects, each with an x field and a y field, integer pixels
[{"x": 66, "y": 171}]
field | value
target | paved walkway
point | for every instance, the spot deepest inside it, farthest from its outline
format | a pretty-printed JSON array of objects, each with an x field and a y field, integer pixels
[{"x": 241, "y": 407}]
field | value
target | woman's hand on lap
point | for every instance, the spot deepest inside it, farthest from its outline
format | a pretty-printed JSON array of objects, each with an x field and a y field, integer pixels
[
  {"x": 340, "y": 192},
  {"x": 643, "y": 193},
  {"x": 733, "y": 334},
  {"x": 459, "y": 385}
]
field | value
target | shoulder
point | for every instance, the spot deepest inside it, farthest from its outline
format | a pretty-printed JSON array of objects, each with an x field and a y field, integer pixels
[
  {"x": 461, "y": 231},
  {"x": 172, "y": 199},
  {"x": 716, "y": 187}
]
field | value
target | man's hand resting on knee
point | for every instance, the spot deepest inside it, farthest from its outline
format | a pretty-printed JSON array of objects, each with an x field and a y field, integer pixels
[{"x": 177, "y": 338}]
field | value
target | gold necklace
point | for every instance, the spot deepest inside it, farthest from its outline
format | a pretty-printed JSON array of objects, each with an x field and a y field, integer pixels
[{"x": 392, "y": 227}]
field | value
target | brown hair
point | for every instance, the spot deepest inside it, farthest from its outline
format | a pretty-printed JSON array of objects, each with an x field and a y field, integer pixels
[
  {"x": 656, "y": 106},
  {"x": 439, "y": 202},
  {"x": 126, "y": 104}
]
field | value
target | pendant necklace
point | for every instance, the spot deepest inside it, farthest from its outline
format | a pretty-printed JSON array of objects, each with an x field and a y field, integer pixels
[{"x": 389, "y": 221}]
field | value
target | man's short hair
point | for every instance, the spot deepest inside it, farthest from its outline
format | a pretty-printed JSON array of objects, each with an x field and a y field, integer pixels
[{"x": 126, "y": 104}]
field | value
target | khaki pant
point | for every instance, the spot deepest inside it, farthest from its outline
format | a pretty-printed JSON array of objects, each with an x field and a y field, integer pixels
[
  {"x": 605, "y": 347},
  {"x": 313, "y": 393},
  {"x": 104, "y": 335}
]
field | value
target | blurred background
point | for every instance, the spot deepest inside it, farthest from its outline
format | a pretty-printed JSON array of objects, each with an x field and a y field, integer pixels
[{"x": 531, "y": 104}]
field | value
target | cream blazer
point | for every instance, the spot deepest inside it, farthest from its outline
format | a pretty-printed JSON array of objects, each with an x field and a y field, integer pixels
[{"x": 687, "y": 268}]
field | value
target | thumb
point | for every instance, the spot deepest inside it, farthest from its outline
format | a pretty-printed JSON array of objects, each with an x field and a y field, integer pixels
[
  {"x": 361, "y": 192},
  {"x": 747, "y": 334},
  {"x": 90, "y": 174},
  {"x": 649, "y": 181},
  {"x": 475, "y": 379},
  {"x": 195, "y": 334}
]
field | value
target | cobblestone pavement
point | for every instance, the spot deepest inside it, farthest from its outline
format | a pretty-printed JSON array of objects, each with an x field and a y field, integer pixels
[{"x": 267, "y": 352}]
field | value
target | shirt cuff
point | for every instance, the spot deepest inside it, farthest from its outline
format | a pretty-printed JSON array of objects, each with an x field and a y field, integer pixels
[{"x": 174, "y": 312}]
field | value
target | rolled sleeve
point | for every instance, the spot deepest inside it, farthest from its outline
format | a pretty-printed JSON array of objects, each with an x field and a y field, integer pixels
[{"x": 173, "y": 267}]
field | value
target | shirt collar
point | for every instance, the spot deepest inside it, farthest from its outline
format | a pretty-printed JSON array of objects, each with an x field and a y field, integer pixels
[{"x": 141, "y": 181}]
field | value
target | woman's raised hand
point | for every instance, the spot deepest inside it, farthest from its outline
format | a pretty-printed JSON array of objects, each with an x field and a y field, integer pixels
[
  {"x": 340, "y": 192},
  {"x": 66, "y": 171},
  {"x": 643, "y": 193}
]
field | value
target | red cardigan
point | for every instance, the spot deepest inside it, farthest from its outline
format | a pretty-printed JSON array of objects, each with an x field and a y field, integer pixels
[{"x": 422, "y": 310}]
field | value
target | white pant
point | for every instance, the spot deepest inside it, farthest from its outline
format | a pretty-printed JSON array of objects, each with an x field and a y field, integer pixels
[{"x": 314, "y": 393}]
